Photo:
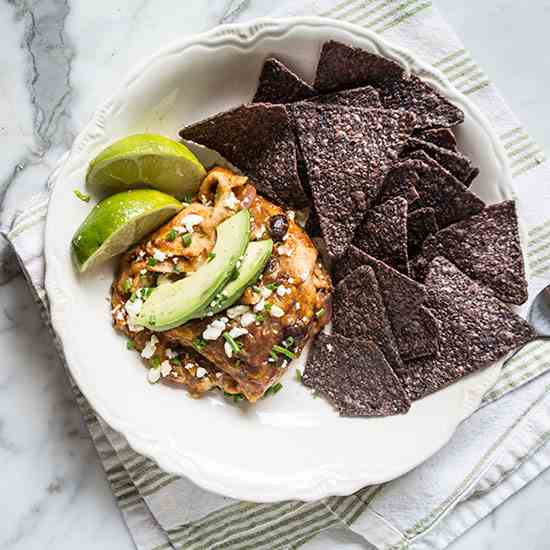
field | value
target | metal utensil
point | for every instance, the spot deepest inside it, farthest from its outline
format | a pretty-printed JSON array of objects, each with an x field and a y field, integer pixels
[{"x": 539, "y": 313}]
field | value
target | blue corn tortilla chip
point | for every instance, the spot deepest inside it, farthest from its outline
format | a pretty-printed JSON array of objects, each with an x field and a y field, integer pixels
[
  {"x": 343, "y": 190},
  {"x": 454, "y": 162},
  {"x": 421, "y": 224},
  {"x": 278, "y": 84},
  {"x": 416, "y": 96},
  {"x": 442, "y": 137},
  {"x": 258, "y": 139},
  {"x": 440, "y": 190},
  {"x": 414, "y": 329},
  {"x": 359, "y": 312},
  {"x": 342, "y": 67},
  {"x": 400, "y": 182},
  {"x": 383, "y": 234},
  {"x": 487, "y": 248},
  {"x": 475, "y": 328},
  {"x": 366, "y": 97},
  {"x": 355, "y": 376}
]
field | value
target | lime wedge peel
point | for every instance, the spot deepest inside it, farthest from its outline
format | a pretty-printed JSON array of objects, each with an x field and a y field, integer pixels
[
  {"x": 118, "y": 222},
  {"x": 146, "y": 160}
]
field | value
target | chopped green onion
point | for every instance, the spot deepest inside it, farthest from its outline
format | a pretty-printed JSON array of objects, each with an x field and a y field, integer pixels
[
  {"x": 283, "y": 351},
  {"x": 152, "y": 262},
  {"x": 199, "y": 344},
  {"x": 273, "y": 355},
  {"x": 130, "y": 344},
  {"x": 127, "y": 285},
  {"x": 232, "y": 342},
  {"x": 288, "y": 342},
  {"x": 155, "y": 361},
  {"x": 171, "y": 235},
  {"x": 211, "y": 256},
  {"x": 82, "y": 196},
  {"x": 320, "y": 313},
  {"x": 186, "y": 239},
  {"x": 272, "y": 390}
]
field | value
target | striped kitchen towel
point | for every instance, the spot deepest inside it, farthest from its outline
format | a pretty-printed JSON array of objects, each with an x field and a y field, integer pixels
[{"x": 499, "y": 449}]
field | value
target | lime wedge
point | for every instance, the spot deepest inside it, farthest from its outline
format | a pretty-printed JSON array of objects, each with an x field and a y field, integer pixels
[
  {"x": 146, "y": 160},
  {"x": 119, "y": 221}
]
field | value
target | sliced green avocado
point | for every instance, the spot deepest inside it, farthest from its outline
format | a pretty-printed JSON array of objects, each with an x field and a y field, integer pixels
[
  {"x": 172, "y": 304},
  {"x": 252, "y": 265}
]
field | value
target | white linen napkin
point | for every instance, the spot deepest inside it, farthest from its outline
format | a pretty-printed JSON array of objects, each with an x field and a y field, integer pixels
[{"x": 494, "y": 453}]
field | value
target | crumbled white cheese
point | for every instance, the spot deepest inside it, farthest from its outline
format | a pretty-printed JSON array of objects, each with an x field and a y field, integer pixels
[
  {"x": 260, "y": 305},
  {"x": 265, "y": 292},
  {"x": 276, "y": 311},
  {"x": 214, "y": 330},
  {"x": 119, "y": 316},
  {"x": 231, "y": 201},
  {"x": 290, "y": 281},
  {"x": 219, "y": 375},
  {"x": 188, "y": 222},
  {"x": 165, "y": 368},
  {"x": 141, "y": 254},
  {"x": 189, "y": 366},
  {"x": 228, "y": 349},
  {"x": 284, "y": 364},
  {"x": 159, "y": 256},
  {"x": 282, "y": 290},
  {"x": 259, "y": 231},
  {"x": 150, "y": 347},
  {"x": 235, "y": 332},
  {"x": 133, "y": 307},
  {"x": 247, "y": 319},
  {"x": 133, "y": 327},
  {"x": 237, "y": 311},
  {"x": 291, "y": 215},
  {"x": 297, "y": 306},
  {"x": 201, "y": 372},
  {"x": 170, "y": 353},
  {"x": 304, "y": 276},
  {"x": 143, "y": 272},
  {"x": 153, "y": 375}
]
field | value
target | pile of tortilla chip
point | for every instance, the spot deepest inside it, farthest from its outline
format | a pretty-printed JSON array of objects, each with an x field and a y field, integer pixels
[{"x": 423, "y": 269}]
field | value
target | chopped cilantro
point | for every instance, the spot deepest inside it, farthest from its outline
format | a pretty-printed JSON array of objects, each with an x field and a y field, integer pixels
[
  {"x": 127, "y": 285},
  {"x": 273, "y": 286},
  {"x": 186, "y": 239},
  {"x": 211, "y": 256},
  {"x": 238, "y": 397},
  {"x": 155, "y": 361},
  {"x": 260, "y": 317},
  {"x": 82, "y": 196},
  {"x": 130, "y": 344},
  {"x": 272, "y": 390},
  {"x": 320, "y": 313},
  {"x": 171, "y": 235},
  {"x": 152, "y": 262},
  {"x": 175, "y": 361},
  {"x": 199, "y": 344},
  {"x": 268, "y": 306},
  {"x": 235, "y": 346},
  {"x": 283, "y": 351}
]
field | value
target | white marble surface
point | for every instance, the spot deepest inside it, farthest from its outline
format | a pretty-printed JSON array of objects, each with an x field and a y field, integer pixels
[{"x": 58, "y": 59}]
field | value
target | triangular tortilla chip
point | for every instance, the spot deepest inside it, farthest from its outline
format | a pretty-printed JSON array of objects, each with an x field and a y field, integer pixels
[
  {"x": 476, "y": 329},
  {"x": 366, "y": 98},
  {"x": 355, "y": 376},
  {"x": 487, "y": 248},
  {"x": 383, "y": 234},
  {"x": 421, "y": 224},
  {"x": 442, "y": 137},
  {"x": 259, "y": 140},
  {"x": 342, "y": 67},
  {"x": 278, "y": 84},
  {"x": 347, "y": 153}
]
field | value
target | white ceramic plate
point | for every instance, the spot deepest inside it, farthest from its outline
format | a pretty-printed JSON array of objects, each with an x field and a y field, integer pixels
[{"x": 289, "y": 446}]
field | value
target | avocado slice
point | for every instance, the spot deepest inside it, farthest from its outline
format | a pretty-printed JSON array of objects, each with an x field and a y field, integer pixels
[
  {"x": 173, "y": 304},
  {"x": 253, "y": 263}
]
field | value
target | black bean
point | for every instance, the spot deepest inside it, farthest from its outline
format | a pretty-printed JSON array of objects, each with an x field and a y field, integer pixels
[{"x": 277, "y": 227}]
